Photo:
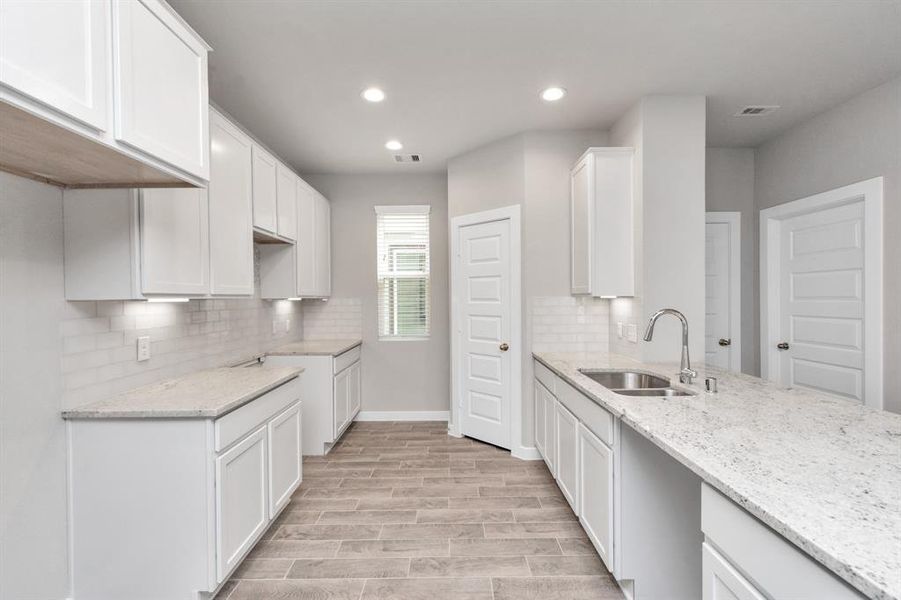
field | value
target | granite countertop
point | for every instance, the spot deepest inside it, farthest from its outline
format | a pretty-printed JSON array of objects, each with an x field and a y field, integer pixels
[
  {"x": 316, "y": 348},
  {"x": 202, "y": 395},
  {"x": 823, "y": 472}
]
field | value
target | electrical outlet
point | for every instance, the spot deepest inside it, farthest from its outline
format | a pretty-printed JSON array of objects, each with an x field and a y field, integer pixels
[
  {"x": 619, "y": 329},
  {"x": 143, "y": 348},
  {"x": 632, "y": 332}
]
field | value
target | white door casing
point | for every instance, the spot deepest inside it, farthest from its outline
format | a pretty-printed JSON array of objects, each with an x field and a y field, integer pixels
[
  {"x": 722, "y": 344},
  {"x": 486, "y": 307},
  {"x": 821, "y": 292}
]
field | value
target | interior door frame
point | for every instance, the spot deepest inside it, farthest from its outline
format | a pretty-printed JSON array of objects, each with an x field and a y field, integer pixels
[
  {"x": 511, "y": 213},
  {"x": 871, "y": 192},
  {"x": 733, "y": 220}
]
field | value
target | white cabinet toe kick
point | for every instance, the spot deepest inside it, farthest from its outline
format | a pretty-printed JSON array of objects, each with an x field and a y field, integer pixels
[{"x": 168, "y": 507}]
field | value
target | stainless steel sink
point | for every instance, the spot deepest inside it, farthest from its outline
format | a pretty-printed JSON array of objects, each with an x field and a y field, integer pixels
[
  {"x": 658, "y": 392},
  {"x": 625, "y": 380}
]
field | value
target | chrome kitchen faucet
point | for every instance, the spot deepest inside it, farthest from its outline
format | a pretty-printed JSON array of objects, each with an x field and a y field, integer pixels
[{"x": 686, "y": 373}]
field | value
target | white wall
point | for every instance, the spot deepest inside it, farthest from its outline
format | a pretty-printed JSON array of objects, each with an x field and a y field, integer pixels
[
  {"x": 730, "y": 187},
  {"x": 33, "y": 524},
  {"x": 857, "y": 140},
  {"x": 397, "y": 375},
  {"x": 56, "y": 354}
]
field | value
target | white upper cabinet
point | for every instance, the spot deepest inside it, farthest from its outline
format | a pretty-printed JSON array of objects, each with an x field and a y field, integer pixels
[
  {"x": 101, "y": 93},
  {"x": 286, "y": 202},
  {"x": 161, "y": 93},
  {"x": 602, "y": 223},
  {"x": 323, "y": 247},
  {"x": 130, "y": 244},
  {"x": 306, "y": 239},
  {"x": 231, "y": 209},
  {"x": 175, "y": 242},
  {"x": 265, "y": 185},
  {"x": 57, "y": 52}
]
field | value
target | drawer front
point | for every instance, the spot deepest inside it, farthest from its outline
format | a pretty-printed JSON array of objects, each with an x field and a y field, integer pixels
[
  {"x": 236, "y": 424},
  {"x": 342, "y": 361},
  {"x": 778, "y": 568},
  {"x": 595, "y": 418},
  {"x": 545, "y": 376}
]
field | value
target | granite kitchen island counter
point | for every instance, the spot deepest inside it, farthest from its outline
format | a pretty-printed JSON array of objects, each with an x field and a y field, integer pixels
[
  {"x": 822, "y": 472},
  {"x": 316, "y": 348},
  {"x": 205, "y": 394}
]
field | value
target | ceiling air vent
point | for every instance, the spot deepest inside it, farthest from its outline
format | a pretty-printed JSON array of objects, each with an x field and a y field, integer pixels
[
  {"x": 755, "y": 111},
  {"x": 407, "y": 158}
]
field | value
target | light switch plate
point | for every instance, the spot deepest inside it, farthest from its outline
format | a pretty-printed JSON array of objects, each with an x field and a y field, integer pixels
[
  {"x": 143, "y": 344},
  {"x": 632, "y": 332},
  {"x": 619, "y": 329}
]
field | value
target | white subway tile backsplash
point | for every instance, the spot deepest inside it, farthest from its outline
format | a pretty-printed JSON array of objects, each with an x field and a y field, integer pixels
[
  {"x": 569, "y": 324},
  {"x": 336, "y": 318}
]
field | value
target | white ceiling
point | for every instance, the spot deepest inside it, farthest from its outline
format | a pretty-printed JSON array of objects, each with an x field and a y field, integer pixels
[{"x": 460, "y": 74}]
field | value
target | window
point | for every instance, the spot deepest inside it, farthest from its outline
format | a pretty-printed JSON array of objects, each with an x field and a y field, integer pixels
[{"x": 403, "y": 271}]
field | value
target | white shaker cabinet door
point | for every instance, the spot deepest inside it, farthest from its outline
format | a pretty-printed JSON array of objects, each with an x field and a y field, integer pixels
[
  {"x": 581, "y": 182},
  {"x": 540, "y": 430},
  {"x": 286, "y": 202},
  {"x": 57, "y": 52},
  {"x": 721, "y": 581},
  {"x": 354, "y": 393},
  {"x": 175, "y": 249},
  {"x": 596, "y": 493},
  {"x": 306, "y": 241},
  {"x": 265, "y": 185},
  {"x": 550, "y": 431},
  {"x": 284, "y": 458},
  {"x": 568, "y": 456},
  {"x": 340, "y": 397},
  {"x": 323, "y": 247},
  {"x": 161, "y": 95},
  {"x": 231, "y": 209},
  {"x": 241, "y": 500}
]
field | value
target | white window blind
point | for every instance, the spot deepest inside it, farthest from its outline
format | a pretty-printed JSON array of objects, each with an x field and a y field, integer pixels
[{"x": 403, "y": 271}]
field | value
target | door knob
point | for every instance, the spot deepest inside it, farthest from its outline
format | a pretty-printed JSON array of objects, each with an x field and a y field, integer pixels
[
  {"x": 725, "y": 342},
  {"x": 504, "y": 347},
  {"x": 782, "y": 345}
]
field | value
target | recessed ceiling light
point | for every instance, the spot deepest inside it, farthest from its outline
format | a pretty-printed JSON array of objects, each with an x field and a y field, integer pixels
[
  {"x": 393, "y": 145},
  {"x": 552, "y": 94},
  {"x": 373, "y": 94}
]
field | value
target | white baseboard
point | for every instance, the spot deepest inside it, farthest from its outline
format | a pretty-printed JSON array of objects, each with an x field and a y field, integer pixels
[
  {"x": 403, "y": 415},
  {"x": 524, "y": 453}
]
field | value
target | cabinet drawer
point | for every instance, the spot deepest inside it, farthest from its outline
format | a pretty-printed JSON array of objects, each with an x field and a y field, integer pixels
[
  {"x": 342, "y": 361},
  {"x": 545, "y": 376},
  {"x": 776, "y": 566},
  {"x": 595, "y": 418},
  {"x": 236, "y": 424}
]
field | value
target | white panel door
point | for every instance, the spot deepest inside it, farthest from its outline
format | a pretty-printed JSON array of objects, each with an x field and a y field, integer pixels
[
  {"x": 821, "y": 301},
  {"x": 241, "y": 500},
  {"x": 286, "y": 202},
  {"x": 581, "y": 182},
  {"x": 175, "y": 248},
  {"x": 57, "y": 52},
  {"x": 265, "y": 184},
  {"x": 485, "y": 321},
  {"x": 721, "y": 581},
  {"x": 284, "y": 458},
  {"x": 231, "y": 209},
  {"x": 717, "y": 332},
  {"x": 596, "y": 493},
  {"x": 567, "y": 427},
  {"x": 162, "y": 101}
]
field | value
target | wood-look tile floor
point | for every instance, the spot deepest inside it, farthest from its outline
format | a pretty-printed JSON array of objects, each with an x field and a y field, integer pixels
[{"x": 403, "y": 511}]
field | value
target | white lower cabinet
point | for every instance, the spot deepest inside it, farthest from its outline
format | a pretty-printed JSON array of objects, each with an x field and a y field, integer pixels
[
  {"x": 722, "y": 581},
  {"x": 168, "y": 507},
  {"x": 540, "y": 431},
  {"x": 567, "y": 428},
  {"x": 596, "y": 493},
  {"x": 332, "y": 392},
  {"x": 242, "y": 511}
]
